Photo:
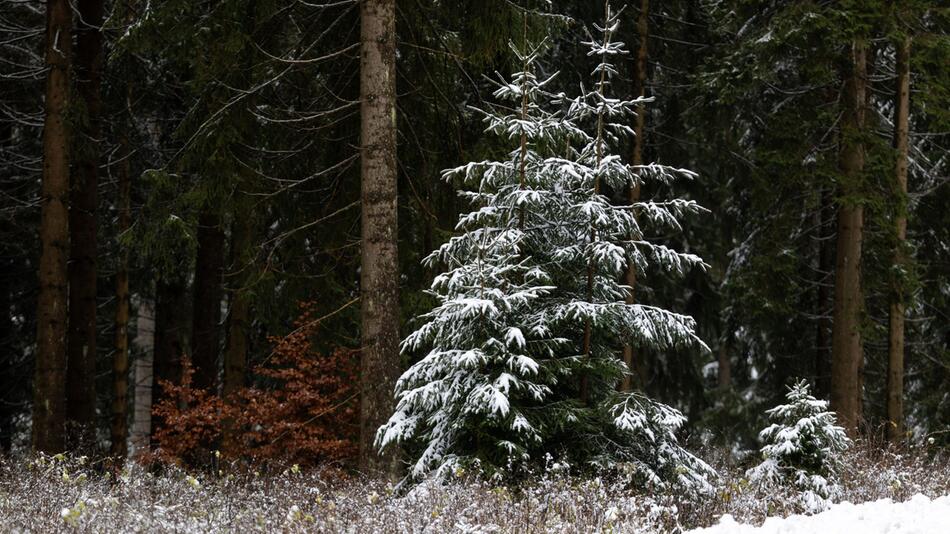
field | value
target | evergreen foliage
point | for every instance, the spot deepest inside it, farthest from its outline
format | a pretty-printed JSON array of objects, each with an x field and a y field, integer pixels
[
  {"x": 803, "y": 445},
  {"x": 775, "y": 71},
  {"x": 521, "y": 359}
]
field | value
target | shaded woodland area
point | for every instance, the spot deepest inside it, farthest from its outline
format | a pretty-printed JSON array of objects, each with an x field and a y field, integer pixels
[{"x": 213, "y": 214}]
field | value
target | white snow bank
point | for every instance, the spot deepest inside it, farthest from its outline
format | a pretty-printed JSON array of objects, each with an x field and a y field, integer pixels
[{"x": 919, "y": 515}]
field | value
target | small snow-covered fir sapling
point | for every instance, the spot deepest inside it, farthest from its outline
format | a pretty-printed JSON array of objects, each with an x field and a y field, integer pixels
[
  {"x": 520, "y": 356},
  {"x": 803, "y": 445}
]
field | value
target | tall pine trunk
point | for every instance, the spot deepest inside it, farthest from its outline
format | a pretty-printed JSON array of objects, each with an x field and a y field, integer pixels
[
  {"x": 206, "y": 318},
  {"x": 120, "y": 359},
  {"x": 379, "y": 275},
  {"x": 895, "y": 352},
  {"x": 847, "y": 347},
  {"x": 81, "y": 341},
  {"x": 7, "y": 368},
  {"x": 629, "y": 351},
  {"x": 49, "y": 383},
  {"x": 239, "y": 317},
  {"x": 242, "y": 227},
  {"x": 8, "y": 357},
  {"x": 142, "y": 372},
  {"x": 825, "y": 289},
  {"x": 724, "y": 375}
]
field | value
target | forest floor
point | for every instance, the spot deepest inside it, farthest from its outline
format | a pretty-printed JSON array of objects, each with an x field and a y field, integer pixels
[{"x": 71, "y": 495}]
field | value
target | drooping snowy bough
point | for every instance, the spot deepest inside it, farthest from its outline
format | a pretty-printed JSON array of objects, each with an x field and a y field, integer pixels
[{"x": 520, "y": 356}]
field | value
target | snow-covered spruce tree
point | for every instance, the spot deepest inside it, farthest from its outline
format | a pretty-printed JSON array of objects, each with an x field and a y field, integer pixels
[
  {"x": 803, "y": 445},
  {"x": 522, "y": 348}
]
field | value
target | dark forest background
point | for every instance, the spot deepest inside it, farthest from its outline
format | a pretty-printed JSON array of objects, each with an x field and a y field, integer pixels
[{"x": 221, "y": 140}]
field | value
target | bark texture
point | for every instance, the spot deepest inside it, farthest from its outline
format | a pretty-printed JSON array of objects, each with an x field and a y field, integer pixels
[
  {"x": 724, "y": 376},
  {"x": 239, "y": 317},
  {"x": 119, "y": 430},
  {"x": 206, "y": 318},
  {"x": 895, "y": 345},
  {"x": 81, "y": 341},
  {"x": 8, "y": 356},
  {"x": 379, "y": 275},
  {"x": 49, "y": 383},
  {"x": 847, "y": 347},
  {"x": 7, "y": 378},
  {"x": 633, "y": 194},
  {"x": 142, "y": 404},
  {"x": 825, "y": 289}
]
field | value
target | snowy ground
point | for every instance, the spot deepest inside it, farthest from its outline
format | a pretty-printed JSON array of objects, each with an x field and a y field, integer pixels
[
  {"x": 39, "y": 495},
  {"x": 919, "y": 515}
]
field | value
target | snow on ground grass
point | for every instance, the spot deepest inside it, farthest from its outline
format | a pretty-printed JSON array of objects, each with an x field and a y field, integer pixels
[
  {"x": 61, "y": 496},
  {"x": 71, "y": 495},
  {"x": 919, "y": 515}
]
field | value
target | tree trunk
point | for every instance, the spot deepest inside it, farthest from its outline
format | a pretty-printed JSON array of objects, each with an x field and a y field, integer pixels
[
  {"x": 170, "y": 326},
  {"x": 235, "y": 361},
  {"x": 379, "y": 275},
  {"x": 206, "y": 318},
  {"x": 825, "y": 297},
  {"x": 120, "y": 360},
  {"x": 142, "y": 402},
  {"x": 629, "y": 351},
  {"x": 49, "y": 383},
  {"x": 847, "y": 348},
  {"x": 895, "y": 352},
  {"x": 7, "y": 369},
  {"x": 9, "y": 381},
  {"x": 239, "y": 317},
  {"x": 81, "y": 340},
  {"x": 725, "y": 367}
]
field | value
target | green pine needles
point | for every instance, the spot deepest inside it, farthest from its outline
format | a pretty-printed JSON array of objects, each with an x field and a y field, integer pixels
[
  {"x": 803, "y": 445},
  {"x": 521, "y": 353}
]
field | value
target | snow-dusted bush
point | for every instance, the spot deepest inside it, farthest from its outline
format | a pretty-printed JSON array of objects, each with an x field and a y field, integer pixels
[
  {"x": 803, "y": 445},
  {"x": 520, "y": 356}
]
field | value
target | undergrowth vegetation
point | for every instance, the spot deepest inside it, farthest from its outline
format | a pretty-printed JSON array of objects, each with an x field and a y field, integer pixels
[
  {"x": 44, "y": 494},
  {"x": 302, "y": 409}
]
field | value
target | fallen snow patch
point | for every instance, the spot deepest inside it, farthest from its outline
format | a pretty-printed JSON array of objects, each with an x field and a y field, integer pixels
[{"x": 919, "y": 515}]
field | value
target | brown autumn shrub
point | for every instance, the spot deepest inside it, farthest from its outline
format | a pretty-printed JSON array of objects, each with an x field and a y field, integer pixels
[
  {"x": 190, "y": 421},
  {"x": 301, "y": 410}
]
